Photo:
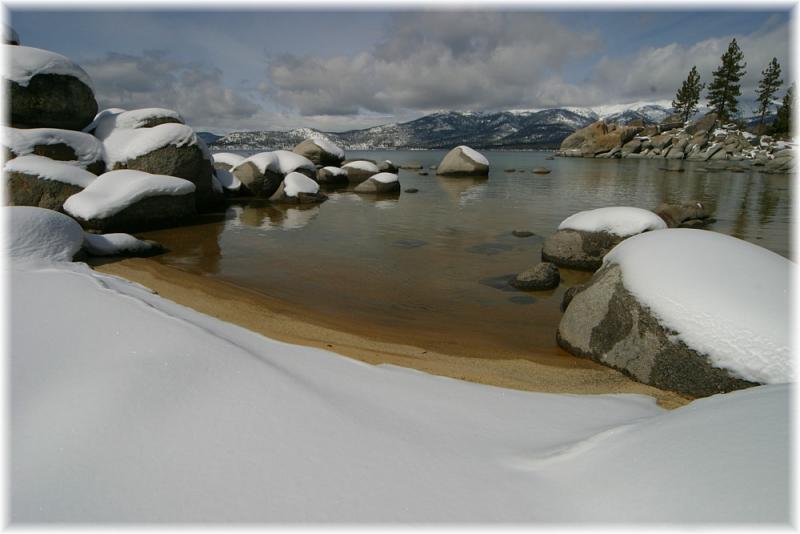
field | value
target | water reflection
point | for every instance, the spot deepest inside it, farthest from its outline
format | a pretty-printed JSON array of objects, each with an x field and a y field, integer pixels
[
  {"x": 463, "y": 190},
  {"x": 268, "y": 216}
]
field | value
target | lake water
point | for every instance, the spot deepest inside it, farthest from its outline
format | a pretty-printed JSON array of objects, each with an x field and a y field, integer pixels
[{"x": 431, "y": 268}]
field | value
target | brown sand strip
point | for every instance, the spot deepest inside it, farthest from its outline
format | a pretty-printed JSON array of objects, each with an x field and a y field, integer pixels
[{"x": 282, "y": 321}]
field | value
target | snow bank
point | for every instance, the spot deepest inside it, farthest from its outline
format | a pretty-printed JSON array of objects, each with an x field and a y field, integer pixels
[
  {"x": 114, "y": 244},
  {"x": 335, "y": 171},
  {"x": 366, "y": 166},
  {"x": 38, "y": 233},
  {"x": 621, "y": 221},
  {"x": 114, "y": 191},
  {"x": 279, "y": 162},
  {"x": 723, "y": 296},
  {"x": 22, "y": 142},
  {"x": 295, "y": 183},
  {"x": 112, "y": 119},
  {"x": 227, "y": 180},
  {"x": 25, "y": 62},
  {"x": 228, "y": 158},
  {"x": 474, "y": 155},
  {"x": 384, "y": 177},
  {"x": 159, "y": 413},
  {"x": 48, "y": 169},
  {"x": 328, "y": 146},
  {"x": 124, "y": 144}
]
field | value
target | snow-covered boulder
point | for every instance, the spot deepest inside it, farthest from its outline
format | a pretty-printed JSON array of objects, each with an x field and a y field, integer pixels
[
  {"x": 360, "y": 170},
  {"x": 227, "y": 160},
  {"x": 170, "y": 149},
  {"x": 463, "y": 161},
  {"x": 388, "y": 166},
  {"x": 47, "y": 90},
  {"x": 692, "y": 311},
  {"x": 227, "y": 180},
  {"x": 262, "y": 174},
  {"x": 584, "y": 238},
  {"x": 320, "y": 151},
  {"x": 332, "y": 176},
  {"x": 108, "y": 120},
  {"x": 38, "y": 233},
  {"x": 381, "y": 183},
  {"x": 119, "y": 245},
  {"x": 128, "y": 200},
  {"x": 63, "y": 145},
  {"x": 297, "y": 188},
  {"x": 689, "y": 213},
  {"x": 39, "y": 181},
  {"x": 10, "y": 35}
]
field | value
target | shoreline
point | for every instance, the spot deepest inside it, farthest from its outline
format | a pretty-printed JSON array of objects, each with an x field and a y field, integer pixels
[{"x": 284, "y": 322}]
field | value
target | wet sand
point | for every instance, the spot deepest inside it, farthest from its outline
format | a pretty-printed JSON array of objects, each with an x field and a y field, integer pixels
[{"x": 463, "y": 359}]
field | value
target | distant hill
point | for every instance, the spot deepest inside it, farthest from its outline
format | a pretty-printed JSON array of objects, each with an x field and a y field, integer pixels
[
  {"x": 208, "y": 137},
  {"x": 535, "y": 128}
]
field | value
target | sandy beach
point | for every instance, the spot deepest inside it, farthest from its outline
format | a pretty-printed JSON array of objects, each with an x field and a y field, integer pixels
[{"x": 282, "y": 321}]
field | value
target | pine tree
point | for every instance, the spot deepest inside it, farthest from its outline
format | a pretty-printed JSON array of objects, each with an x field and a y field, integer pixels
[
  {"x": 687, "y": 97},
  {"x": 724, "y": 88},
  {"x": 767, "y": 87},
  {"x": 783, "y": 121}
]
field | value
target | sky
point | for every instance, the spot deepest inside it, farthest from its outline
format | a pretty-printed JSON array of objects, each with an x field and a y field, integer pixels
[{"x": 336, "y": 70}]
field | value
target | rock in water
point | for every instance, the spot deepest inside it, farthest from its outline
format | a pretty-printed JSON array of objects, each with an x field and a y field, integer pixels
[
  {"x": 298, "y": 188},
  {"x": 522, "y": 233},
  {"x": 332, "y": 176},
  {"x": 677, "y": 214},
  {"x": 539, "y": 278},
  {"x": 358, "y": 171},
  {"x": 668, "y": 309},
  {"x": 47, "y": 90},
  {"x": 381, "y": 183},
  {"x": 541, "y": 170},
  {"x": 320, "y": 151},
  {"x": 227, "y": 160},
  {"x": 263, "y": 173},
  {"x": 463, "y": 161}
]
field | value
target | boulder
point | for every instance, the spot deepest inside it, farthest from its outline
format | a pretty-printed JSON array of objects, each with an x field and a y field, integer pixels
[
  {"x": 675, "y": 215},
  {"x": 227, "y": 160},
  {"x": 381, "y": 183},
  {"x": 661, "y": 141},
  {"x": 38, "y": 181},
  {"x": 411, "y": 165},
  {"x": 358, "y": 171},
  {"x": 79, "y": 148},
  {"x": 37, "y": 233},
  {"x": 112, "y": 119},
  {"x": 704, "y": 124},
  {"x": 320, "y": 151},
  {"x": 463, "y": 161},
  {"x": 47, "y": 90},
  {"x": 671, "y": 122},
  {"x": 297, "y": 188},
  {"x": 332, "y": 176},
  {"x": 541, "y": 277},
  {"x": 132, "y": 201},
  {"x": 668, "y": 309},
  {"x": 387, "y": 166},
  {"x": 782, "y": 163},
  {"x": 631, "y": 147},
  {"x": 262, "y": 174},
  {"x": 584, "y": 135}
]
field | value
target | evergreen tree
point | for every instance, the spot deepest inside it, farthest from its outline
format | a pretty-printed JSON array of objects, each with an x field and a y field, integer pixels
[
  {"x": 687, "y": 97},
  {"x": 767, "y": 87},
  {"x": 724, "y": 88},
  {"x": 783, "y": 121}
]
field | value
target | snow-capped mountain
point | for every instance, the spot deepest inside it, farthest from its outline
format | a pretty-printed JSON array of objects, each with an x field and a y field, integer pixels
[{"x": 535, "y": 128}]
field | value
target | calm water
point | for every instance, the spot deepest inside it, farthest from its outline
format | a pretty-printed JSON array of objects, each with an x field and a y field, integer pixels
[{"x": 431, "y": 268}]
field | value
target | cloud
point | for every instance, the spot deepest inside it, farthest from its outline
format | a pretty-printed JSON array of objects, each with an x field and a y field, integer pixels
[{"x": 152, "y": 79}]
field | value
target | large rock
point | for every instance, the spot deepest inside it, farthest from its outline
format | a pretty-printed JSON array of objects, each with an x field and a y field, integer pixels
[
  {"x": 360, "y": 170},
  {"x": 81, "y": 149},
  {"x": 47, "y": 90},
  {"x": 132, "y": 201},
  {"x": 677, "y": 214},
  {"x": 671, "y": 122},
  {"x": 320, "y": 151},
  {"x": 691, "y": 311},
  {"x": 585, "y": 135},
  {"x": 661, "y": 141},
  {"x": 38, "y": 181},
  {"x": 381, "y": 183},
  {"x": 108, "y": 120},
  {"x": 463, "y": 161},
  {"x": 227, "y": 160},
  {"x": 702, "y": 125},
  {"x": 633, "y": 146},
  {"x": 332, "y": 176},
  {"x": 262, "y": 174},
  {"x": 297, "y": 188}
]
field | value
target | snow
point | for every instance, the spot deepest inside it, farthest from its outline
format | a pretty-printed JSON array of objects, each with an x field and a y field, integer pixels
[
  {"x": 114, "y": 191},
  {"x": 335, "y": 171},
  {"x": 37, "y": 233},
  {"x": 621, "y": 221},
  {"x": 724, "y": 297},
  {"x": 366, "y": 166},
  {"x": 295, "y": 183},
  {"x": 474, "y": 155},
  {"x": 25, "y": 62},
  {"x": 227, "y": 180},
  {"x": 158, "y": 413},
  {"x": 22, "y": 141},
  {"x": 114, "y": 244},
  {"x": 112, "y": 119},
  {"x": 228, "y": 158},
  {"x": 328, "y": 146},
  {"x": 384, "y": 177},
  {"x": 48, "y": 169},
  {"x": 279, "y": 162},
  {"x": 124, "y": 144}
]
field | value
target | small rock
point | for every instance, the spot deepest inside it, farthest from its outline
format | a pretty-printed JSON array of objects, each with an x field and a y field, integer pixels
[
  {"x": 510, "y": 170},
  {"x": 411, "y": 190},
  {"x": 522, "y": 233},
  {"x": 541, "y": 277},
  {"x": 423, "y": 173},
  {"x": 541, "y": 170}
]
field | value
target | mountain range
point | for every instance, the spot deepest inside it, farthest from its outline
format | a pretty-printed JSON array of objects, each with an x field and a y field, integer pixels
[{"x": 536, "y": 128}]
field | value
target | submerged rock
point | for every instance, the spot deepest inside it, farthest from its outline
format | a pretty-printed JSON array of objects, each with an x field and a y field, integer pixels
[
  {"x": 676, "y": 215},
  {"x": 541, "y": 277},
  {"x": 541, "y": 170}
]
